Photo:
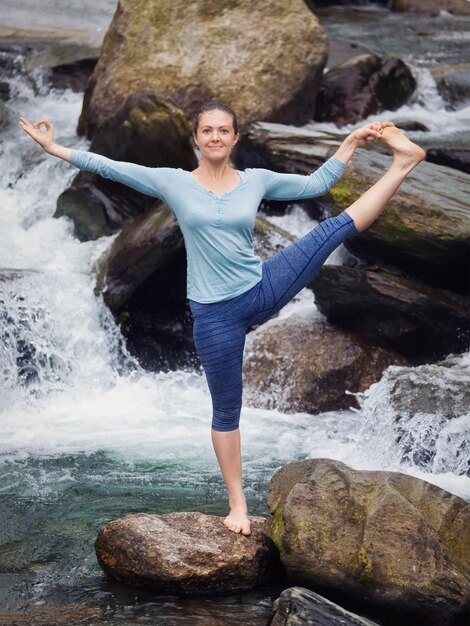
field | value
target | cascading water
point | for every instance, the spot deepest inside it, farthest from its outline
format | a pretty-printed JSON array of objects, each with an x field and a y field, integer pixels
[{"x": 86, "y": 435}]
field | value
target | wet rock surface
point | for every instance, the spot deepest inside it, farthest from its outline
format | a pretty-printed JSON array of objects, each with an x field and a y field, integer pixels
[
  {"x": 395, "y": 545},
  {"x": 298, "y": 606},
  {"x": 300, "y": 365},
  {"x": 419, "y": 321},
  {"x": 186, "y": 553}
]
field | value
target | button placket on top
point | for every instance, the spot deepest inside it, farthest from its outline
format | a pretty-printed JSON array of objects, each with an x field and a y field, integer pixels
[{"x": 218, "y": 212}]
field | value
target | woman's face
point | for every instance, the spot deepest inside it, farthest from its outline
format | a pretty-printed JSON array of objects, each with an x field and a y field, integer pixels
[{"x": 215, "y": 135}]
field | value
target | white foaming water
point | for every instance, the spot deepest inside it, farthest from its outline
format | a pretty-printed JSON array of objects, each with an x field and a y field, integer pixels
[
  {"x": 68, "y": 384},
  {"x": 425, "y": 106}
]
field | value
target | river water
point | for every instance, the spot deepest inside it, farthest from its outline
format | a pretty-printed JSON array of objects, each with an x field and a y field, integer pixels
[{"x": 87, "y": 436}]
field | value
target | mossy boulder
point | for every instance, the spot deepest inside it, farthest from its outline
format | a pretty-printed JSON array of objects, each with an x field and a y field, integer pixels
[
  {"x": 397, "y": 545},
  {"x": 425, "y": 227},
  {"x": 265, "y": 59}
]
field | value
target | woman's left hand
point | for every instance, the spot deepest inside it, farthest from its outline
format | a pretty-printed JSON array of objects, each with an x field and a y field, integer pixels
[{"x": 367, "y": 134}]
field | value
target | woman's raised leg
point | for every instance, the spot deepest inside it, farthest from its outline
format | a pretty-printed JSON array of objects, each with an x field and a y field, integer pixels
[{"x": 294, "y": 267}]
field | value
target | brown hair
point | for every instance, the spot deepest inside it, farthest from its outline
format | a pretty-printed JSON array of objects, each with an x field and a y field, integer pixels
[{"x": 214, "y": 105}]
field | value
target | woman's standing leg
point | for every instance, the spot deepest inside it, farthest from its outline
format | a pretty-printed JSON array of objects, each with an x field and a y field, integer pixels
[{"x": 219, "y": 336}]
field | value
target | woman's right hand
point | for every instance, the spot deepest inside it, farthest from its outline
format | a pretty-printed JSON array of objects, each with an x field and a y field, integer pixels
[{"x": 44, "y": 138}]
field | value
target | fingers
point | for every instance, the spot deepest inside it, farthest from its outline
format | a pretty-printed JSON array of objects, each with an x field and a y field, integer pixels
[{"x": 45, "y": 122}]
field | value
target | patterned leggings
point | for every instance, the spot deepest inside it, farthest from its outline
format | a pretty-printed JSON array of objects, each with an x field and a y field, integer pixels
[{"x": 220, "y": 327}]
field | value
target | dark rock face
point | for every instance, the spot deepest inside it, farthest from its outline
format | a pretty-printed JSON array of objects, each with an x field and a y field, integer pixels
[
  {"x": 302, "y": 365},
  {"x": 393, "y": 544},
  {"x": 145, "y": 131},
  {"x": 137, "y": 252},
  {"x": 458, "y": 159},
  {"x": 420, "y": 322},
  {"x": 298, "y": 606},
  {"x": 186, "y": 553},
  {"x": 72, "y": 76},
  {"x": 362, "y": 86},
  {"x": 455, "y": 86}
]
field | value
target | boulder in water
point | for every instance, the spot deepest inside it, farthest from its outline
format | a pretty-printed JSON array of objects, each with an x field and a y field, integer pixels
[
  {"x": 304, "y": 365},
  {"x": 265, "y": 59},
  {"x": 397, "y": 545},
  {"x": 186, "y": 553},
  {"x": 298, "y": 606},
  {"x": 419, "y": 321},
  {"x": 361, "y": 86},
  {"x": 450, "y": 157},
  {"x": 425, "y": 227}
]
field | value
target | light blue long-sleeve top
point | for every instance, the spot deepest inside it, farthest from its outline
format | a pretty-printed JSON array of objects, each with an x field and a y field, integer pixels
[{"x": 217, "y": 230}]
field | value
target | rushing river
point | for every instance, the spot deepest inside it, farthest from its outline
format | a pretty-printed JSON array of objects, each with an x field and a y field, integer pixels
[{"x": 87, "y": 436}]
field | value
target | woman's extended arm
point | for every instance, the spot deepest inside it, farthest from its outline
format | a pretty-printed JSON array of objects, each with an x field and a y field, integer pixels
[
  {"x": 148, "y": 180},
  {"x": 297, "y": 186}
]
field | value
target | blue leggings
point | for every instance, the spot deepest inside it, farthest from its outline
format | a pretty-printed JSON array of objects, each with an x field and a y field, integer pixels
[{"x": 220, "y": 327}]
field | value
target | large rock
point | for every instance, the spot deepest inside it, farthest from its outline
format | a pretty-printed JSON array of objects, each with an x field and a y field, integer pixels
[
  {"x": 454, "y": 85},
  {"x": 459, "y": 7},
  {"x": 298, "y": 606},
  {"x": 300, "y": 365},
  {"x": 146, "y": 131},
  {"x": 265, "y": 59},
  {"x": 450, "y": 157},
  {"x": 361, "y": 86},
  {"x": 139, "y": 250},
  {"x": 419, "y": 321},
  {"x": 397, "y": 545},
  {"x": 185, "y": 553}
]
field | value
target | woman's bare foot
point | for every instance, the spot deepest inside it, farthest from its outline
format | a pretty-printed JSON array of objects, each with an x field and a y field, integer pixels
[
  {"x": 404, "y": 151},
  {"x": 237, "y": 520}
]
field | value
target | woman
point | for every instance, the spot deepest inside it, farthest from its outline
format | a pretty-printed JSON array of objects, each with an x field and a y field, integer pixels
[{"x": 229, "y": 288}]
